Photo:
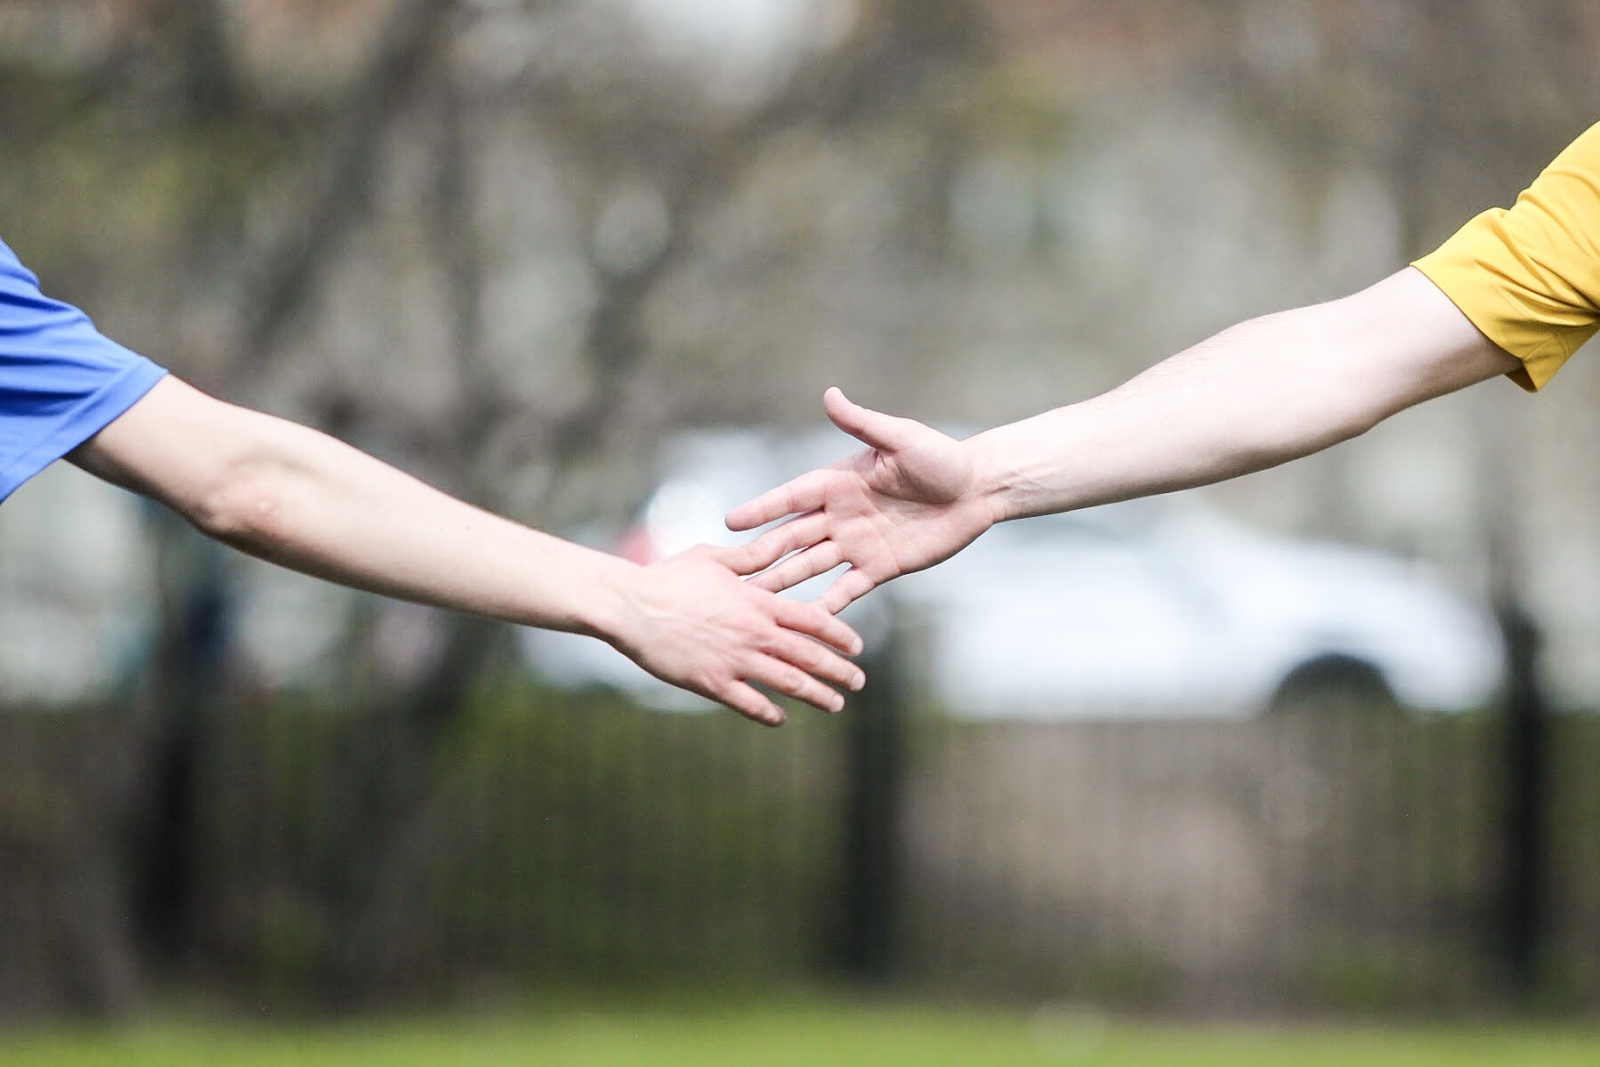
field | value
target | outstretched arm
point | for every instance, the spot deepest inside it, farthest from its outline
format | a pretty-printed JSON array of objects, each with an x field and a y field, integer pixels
[
  {"x": 1256, "y": 395},
  {"x": 299, "y": 498}
]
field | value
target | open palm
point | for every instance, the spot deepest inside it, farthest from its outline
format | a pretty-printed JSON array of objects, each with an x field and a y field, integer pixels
[{"x": 905, "y": 503}]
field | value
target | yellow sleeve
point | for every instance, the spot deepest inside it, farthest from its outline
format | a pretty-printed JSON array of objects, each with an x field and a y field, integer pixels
[{"x": 1529, "y": 277}]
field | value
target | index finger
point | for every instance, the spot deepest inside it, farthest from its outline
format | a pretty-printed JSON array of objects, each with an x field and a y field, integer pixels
[
  {"x": 795, "y": 497},
  {"x": 770, "y": 547},
  {"x": 798, "y": 533}
]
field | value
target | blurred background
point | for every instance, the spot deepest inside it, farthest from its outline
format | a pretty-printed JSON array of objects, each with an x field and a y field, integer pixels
[{"x": 1319, "y": 740}]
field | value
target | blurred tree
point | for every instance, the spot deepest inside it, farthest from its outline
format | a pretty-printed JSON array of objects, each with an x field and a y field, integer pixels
[
  {"x": 290, "y": 150},
  {"x": 655, "y": 155},
  {"x": 510, "y": 244},
  {"x": 1457, "y": 104}
]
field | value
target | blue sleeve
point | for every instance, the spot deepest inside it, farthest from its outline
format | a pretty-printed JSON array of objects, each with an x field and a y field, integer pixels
[{"x": 61, "y": 381}]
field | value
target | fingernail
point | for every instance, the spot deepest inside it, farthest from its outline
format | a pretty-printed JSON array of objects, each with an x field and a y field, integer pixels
[
  {"x": 836, "y": 704},
  {"x": 857, "y": 681}
]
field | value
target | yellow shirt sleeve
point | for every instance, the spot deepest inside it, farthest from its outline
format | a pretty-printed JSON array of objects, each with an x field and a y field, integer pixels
[{"x": 1529, "y": 277}]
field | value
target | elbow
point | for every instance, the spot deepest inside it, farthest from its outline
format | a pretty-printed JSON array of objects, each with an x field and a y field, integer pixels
[
  {"x": 1364, "y": 401},
  {"x": 1340, "y": 403},
  {"x": 242, "y": 506},
  {"x": 1349, "y": 424},
  {"x": 1294, "y": 432}
]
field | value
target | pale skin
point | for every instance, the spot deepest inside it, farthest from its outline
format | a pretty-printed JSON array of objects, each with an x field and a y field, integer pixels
[
  {"x": 1256, "y": 395},
  {"x": 299, "y": 498}
]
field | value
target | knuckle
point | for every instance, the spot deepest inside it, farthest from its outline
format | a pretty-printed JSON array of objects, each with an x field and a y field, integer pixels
[
  {"x": 838, "y": 669},
  {"x": 814, "y": 616},
  {"x": 814, "y": 658},
  {"x": 792, "y": 680}
]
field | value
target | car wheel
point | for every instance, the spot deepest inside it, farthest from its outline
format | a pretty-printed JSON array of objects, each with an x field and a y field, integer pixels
[{"x": 1335, "y": 683}]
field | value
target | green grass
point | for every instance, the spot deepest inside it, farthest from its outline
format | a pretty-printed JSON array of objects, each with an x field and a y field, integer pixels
[{"x": 795, "y": 1036}]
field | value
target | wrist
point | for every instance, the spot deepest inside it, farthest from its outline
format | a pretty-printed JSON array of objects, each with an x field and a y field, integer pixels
[
  {"x": 993, "y": 483},
  {"x": 605, "y": 605}
]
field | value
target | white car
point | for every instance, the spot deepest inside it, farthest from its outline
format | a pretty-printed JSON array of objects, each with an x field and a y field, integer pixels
[{"x": 1154, "y": 607}]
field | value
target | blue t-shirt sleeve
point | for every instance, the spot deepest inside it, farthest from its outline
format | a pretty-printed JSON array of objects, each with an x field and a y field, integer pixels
[{"x": 61, "y": 380}]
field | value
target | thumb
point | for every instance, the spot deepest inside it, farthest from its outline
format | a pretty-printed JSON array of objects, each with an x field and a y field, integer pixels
[{"x": 886, "y": 433}]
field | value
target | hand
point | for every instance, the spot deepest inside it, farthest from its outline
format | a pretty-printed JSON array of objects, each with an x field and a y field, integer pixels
[
  {"x": 696, "y": 624},
  {"x": 909, "y": 501}
]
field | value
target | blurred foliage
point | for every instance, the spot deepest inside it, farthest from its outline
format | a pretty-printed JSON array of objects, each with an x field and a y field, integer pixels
[
  {"x": 581, "y": 843},
  {"x": 510, "y": 245},
  {"x": 568, "y": 841}
]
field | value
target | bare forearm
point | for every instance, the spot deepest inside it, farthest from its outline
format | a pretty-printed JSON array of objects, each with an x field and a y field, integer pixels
[
  {"x": 292, "y": 495},
  {"x": 1254, "y": 396},
  {"x": 1242, "y": 401},
  {"x": 306, "y": 501}
]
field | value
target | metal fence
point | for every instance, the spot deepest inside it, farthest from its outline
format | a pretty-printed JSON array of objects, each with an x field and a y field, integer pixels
[{"x": 1340, "y": 859}]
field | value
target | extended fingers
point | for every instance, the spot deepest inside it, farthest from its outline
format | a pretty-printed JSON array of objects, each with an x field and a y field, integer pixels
[
  {"x": 750, "y": 702},
  {"x": 794, "y": 665},
  {"x": 814, "y": 621},
  {"x": 797, "y": 568},
  {"x": 803, "y": 494},
  {"x": 819, "y": 661},
  {"x": 846, "y": 590},
  {"x": 776, "y": 543},
  {"x": 775, "y": 671}
]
